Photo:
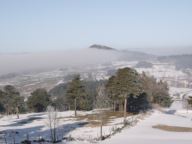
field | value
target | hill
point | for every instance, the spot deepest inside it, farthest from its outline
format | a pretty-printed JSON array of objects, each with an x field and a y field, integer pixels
[{"x": 180, "y": 61}]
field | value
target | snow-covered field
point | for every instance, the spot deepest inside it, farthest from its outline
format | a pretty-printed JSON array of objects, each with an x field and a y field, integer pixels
[
  {"x": 35, "y": 126},
  {"x": 143, "y": 133}
]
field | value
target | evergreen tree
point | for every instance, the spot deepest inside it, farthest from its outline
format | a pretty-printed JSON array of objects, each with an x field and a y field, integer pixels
[
  {"x": 39, "y": 100},
  {"x": 137, "y": 104},
  {"x": 161, "y": 95},
  {"x": 190, "y": 101},
  {"x": 10, "y": 100},
  {"x": 157, "y": 92},
  {"x": 111, "y": 91},
  {"x": 149, "y": 85},
  {"x": 126, "y": 83},
  {"x": 59, "y": 95},
  {"x": 2, "y": 102},
  {"x": 76, "y": 95}
]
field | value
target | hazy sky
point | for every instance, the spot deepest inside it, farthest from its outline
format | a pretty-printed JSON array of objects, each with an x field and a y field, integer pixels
[{"x": 39, "y": 25}]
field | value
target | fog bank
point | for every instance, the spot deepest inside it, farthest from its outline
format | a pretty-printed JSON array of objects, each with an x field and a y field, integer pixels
[{"x": 11, "y": 63}]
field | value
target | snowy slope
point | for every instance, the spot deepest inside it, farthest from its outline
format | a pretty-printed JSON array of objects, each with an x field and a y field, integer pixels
[
  {"x": 35, "y": 125},
  {"x": 143, "y": 133}
]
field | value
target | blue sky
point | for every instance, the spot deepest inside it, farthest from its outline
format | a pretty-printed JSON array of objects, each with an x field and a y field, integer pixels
[{"x": 41, "y": 25}]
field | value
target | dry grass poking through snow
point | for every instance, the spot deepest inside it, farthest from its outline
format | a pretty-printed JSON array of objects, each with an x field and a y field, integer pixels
[
  {"x": 173, "y": 128},
  {"x": 107, "y": 117}
]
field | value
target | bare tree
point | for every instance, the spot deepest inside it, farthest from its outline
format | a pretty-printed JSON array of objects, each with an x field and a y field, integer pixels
[
  {"x": 52, "y": 122},
  {"x": 102, "y": 101},
  {"x": 99, "y": 104}
]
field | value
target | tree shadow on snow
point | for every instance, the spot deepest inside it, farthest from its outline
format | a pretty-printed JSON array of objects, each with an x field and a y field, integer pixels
[
  {"x": 37, "y": 132},
  {"x": 28, "y": 120},
  {"x": 171, "y": 112}
]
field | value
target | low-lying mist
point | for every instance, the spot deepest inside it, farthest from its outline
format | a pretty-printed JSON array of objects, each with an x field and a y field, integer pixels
[{"x": 15, "y": 63}]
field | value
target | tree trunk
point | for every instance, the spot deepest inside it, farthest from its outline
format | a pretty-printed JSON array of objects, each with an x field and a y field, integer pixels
[
  {"x": 7, "y": 110},
  {"x": 75, "y": 107},
  {"x": 17, "y": 112},
  {"x": 114, "y": 106},
  {"x": 54, "y": 135},
  {"x": 125, "y": 111},
  {"x": 101, "y": 129}
]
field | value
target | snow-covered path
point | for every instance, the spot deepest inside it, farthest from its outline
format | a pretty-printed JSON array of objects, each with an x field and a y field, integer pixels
[{"x": 143, "y": 133}]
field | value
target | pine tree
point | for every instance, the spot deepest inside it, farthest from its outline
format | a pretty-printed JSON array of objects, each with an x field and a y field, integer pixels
[
  {"x": 76, "y": 95},
  {"x": 2, "y": 101},
  {"x": 126, "y": 83},
  {"x": 149, "y": 85},
  {"x": 39, "y": 100},
  {"x": 11, "y": 101},
  {"x": 157, "y": 92},
  {"x": 161, "y": 95},
  {"x": 190, "y": 101}
]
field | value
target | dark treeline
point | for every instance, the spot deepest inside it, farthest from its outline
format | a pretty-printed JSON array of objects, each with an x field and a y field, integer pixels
[
  {"x": 10, "y": 101},
  {"x": 126, "y": 90}
]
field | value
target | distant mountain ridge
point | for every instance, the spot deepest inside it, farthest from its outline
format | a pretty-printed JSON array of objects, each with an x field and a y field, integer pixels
[
  {"x": 101, "y": 47},
  {"x": 180, "y": 61},
  {"x": 124, "y": 54}
]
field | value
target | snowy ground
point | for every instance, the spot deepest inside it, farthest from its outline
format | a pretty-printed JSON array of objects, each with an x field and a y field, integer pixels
[
  {"x": 84, "y": 128},
  {"x": 35, "y": 125},
  {"x": 143, "y": 133}
]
